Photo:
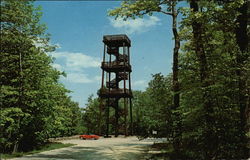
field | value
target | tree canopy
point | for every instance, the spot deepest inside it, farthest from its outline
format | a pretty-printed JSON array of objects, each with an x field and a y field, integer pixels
[
  {"x": 34, "y": 105},
  {"x": 211, "y": 119},
  {"x": 202, "y": 107}
]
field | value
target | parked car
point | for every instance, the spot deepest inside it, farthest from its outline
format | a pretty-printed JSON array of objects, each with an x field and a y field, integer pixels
[{"x": 89, "y": 136}]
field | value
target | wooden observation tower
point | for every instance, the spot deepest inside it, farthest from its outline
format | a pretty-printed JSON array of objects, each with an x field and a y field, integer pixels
[{"x": 116, "y": 81}]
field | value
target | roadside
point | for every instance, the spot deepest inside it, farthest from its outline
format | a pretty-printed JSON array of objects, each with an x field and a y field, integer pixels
[
  {"x": 47, "y": 147},
  {"x": 120, "y": 148}
]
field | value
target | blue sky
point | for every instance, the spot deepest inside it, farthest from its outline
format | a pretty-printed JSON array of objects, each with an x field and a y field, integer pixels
[{"x": 77, "y": 27}]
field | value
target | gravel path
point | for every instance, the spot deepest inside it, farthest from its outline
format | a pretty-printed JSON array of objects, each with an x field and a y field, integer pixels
[{"x": 129, "y": 148}]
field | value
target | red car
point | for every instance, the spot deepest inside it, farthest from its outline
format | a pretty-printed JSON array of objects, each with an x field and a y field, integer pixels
[{"x": 89, "y": 136}]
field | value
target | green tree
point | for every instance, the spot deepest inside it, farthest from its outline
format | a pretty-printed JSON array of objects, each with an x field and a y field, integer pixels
[
  {"x": 213, "y": 90},
  {"x": 209, "y": 81},
  {"x": 34, "y": 105},
  {"x": 18, "y": 34},
  {"x": 151, "y": 107},
  {"x": 133, "y": 9},
  {"x": 242, "y": 39},
  {"x": 91, "y": 116}
]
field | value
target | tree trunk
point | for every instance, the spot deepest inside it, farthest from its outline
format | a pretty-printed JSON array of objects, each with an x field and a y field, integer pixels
[
  {"x": 176, "y": 97},
  {"x": 175, "y": 60},
  {"x": 20, "y": 96},
  {"x": 203, "y": 68},
  {"x": 242, "y": 41}
]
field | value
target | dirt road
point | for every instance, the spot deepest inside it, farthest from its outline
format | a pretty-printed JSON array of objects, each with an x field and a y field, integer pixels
[{"x": 120, "y": 148}]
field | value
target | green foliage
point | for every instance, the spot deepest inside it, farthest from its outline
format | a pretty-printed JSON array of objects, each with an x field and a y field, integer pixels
[
  {"x": 132, "y": 9},
  {"x": 92, "y": 117},
  {"x": 212, "y": 107},
  {"x": 34, "y": 105},
  {"x": 152, "y": 108},
  {"x": 218, "y": 39},
  {"x": 139, "y": 8}
]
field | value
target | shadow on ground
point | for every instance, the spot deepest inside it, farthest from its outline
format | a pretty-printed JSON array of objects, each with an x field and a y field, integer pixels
[{"x": 117, "y": 152}]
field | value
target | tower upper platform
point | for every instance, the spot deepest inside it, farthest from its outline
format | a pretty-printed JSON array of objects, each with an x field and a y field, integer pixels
[{"x": 117, "y": 40}]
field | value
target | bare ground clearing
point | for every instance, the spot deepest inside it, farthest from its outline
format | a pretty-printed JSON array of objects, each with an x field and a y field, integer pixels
[{"x": 129, "y": 148}]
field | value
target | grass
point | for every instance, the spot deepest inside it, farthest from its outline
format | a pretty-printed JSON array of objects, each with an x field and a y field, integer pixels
[
  {"x": 46, "y": 147},
  {"x": 166, "y": 152}
]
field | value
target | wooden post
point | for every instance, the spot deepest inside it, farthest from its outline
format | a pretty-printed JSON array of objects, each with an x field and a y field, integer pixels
[
  {"x": 104, "y": 50},
  {"x": 125, "y": 116},
  {"x": 130, "y": 100},
  {"x": 124, "y": 72}
]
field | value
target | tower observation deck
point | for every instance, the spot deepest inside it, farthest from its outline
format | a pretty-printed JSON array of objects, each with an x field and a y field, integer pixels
[{"x": 116, "y": 82}]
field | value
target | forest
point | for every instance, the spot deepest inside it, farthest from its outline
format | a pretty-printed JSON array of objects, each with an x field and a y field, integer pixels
[
  {"x": 34, "y": 105},
  {"x": 202, "y": 107}
]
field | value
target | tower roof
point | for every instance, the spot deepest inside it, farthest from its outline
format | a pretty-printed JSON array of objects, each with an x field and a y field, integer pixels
[{"x": 117, "y": 40}]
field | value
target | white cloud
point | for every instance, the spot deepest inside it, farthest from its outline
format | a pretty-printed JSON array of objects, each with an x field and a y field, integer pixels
[
  {"x": 78, "y": 78},
  {"x": 75, "y": 65},
  {"x": 58, "y": 46},
  {"x": 139, "y": 83},
  {"x": 98, "y": 78},
  {"x": 40, "y": 42},
  {"x": 135, "y": 25},
  {"x": 77, "y": 61},
  {"x": 57, "y": 66}
]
